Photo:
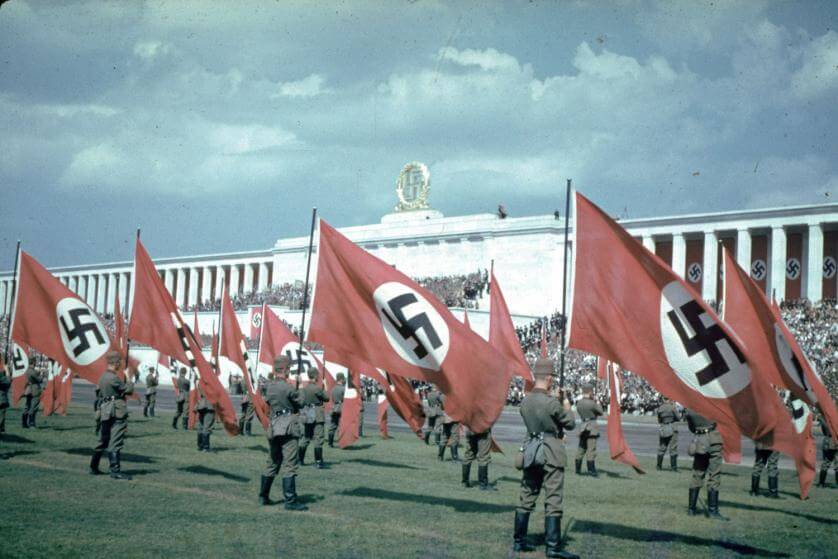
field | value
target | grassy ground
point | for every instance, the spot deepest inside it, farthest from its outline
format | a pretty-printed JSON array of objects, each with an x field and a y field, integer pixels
[{"x": 381, "y": 499}]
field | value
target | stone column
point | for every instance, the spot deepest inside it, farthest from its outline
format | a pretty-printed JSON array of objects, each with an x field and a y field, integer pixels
[
  {"x": 814, "y": 267},
  {"x": 101, "y": 292},
  {"x": 193, "y": 286},
  {"x": 743, "y": 249},
  {"x": 219, "y": 281},
  {"x": 263, "y": 276},
  {"x": 170, "y": 281},
  {"x": 206, "y": 284},
  {"x": 83, "y": 288},
  {"x": 180, "y": 299},
  {"x": 679, "y": 253},
  {"x": 248, "y": 278},
  {"x": 4, "y": 290},
  {"x": 124, "y": 278},
  {"x": 649, "y": 243},
  {"x": 711, "y": 255},
  {"x": 777, "y": 279},
  {"x": 74, "y": 284},
  {"x": 234, "y": 280}
]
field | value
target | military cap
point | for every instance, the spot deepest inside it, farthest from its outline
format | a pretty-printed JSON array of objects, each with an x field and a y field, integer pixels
[
  {"x": 281, "y": 361},
  {"x": 543, "y": 368},
  {"x": 113, "y": 357},
  {"x": 341, "y": 377},
  {"x": 587, "y": 387},
  {"x": 312, "y": 373}
]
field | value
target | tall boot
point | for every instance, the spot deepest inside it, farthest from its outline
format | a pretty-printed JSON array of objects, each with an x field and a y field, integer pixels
[
  {"x": 436, "y": 439},
  {"x": 427, "y": 437},
  {"x": 185, "y": 422},
  {"x": 301, "y": 454},
  {"x": 207, "y": 442},
  {"x": 773, "y": 487},
  {"x": 116, "y": 469},
  {"x": 673, "y": 462},
  {"x": 24, "y": 420},
  {"x": 592, "y": 468},
  {"x": 693, "y": 500},
  {"x": 32, "y": 419},
  {"x": 151, "y": 411},
  {"x": 822, "y": 478},
  {"x": 754, "y": 485},
  {"x": 331, "y": 439},
  {"x": 174, "y": 423},
  {"x": 265, "y": 490},
  {"x": 94, "y": 463},
  {"x": 200, "y": 441},
  {"x": 483, "y": 478},
  {"x": 659, "y": 467},
  {"x": 318, "y": 458},
  {"x": 145, "y": 410},
  {"x": 241, "y": 425},
  {"x": 553, "y": 538},
  {"x": 455, "y": 453},
  {"x": 289, "y": 489},
  {"x": 578, "y": 466},
  {"x": 466, "y": 481},
  {"x": 713, "y": 505},
  {"x": 440, "y": 455},
  {"x": 519, "y": 539},
  {"x": 248, "y": 428}
]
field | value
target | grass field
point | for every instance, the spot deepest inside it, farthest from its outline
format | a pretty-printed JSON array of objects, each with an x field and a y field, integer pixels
[{"x": 380, "y": 499}]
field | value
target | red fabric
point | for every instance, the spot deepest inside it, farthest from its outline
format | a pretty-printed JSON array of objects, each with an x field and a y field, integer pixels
[
  {"x": 502, "y": 334},
  {"x": 350, "y": 412},
  {"x": 155, "y": 321},
  {"x": 631, "y": 308},
  {"x": 193, "y": 403},
  {"x": 49, "y": 398},
  {"x": 65, "y": 391},
  {"x": 382, "y": 415},
  {"x": 42, "y": 305},
  {"x": 466, "y": 323},
  {"x": 776, "y": 356},
  {"x": 121, "y": 345},
  {"x": 601, "y": 368},
  {"x": 544, "y": 352},
  {"x": 275, "y": 339},
  {"x": 405, "y": 402},
  {"x": 731, "y": 443},
  {"x": 232, "y": 346},
  {"x": 799, "y": 445},
  {"x": 617, "y": 444},
  {"x": 357, "y": 302}
]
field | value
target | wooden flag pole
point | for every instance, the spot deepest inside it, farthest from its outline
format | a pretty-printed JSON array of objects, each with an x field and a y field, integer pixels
[
  {"x": 564, "y": 284},
  {"x": 12, "y": 305},
  {"x": 125, "y": 314},
  {"x": 305, "y": 293}
]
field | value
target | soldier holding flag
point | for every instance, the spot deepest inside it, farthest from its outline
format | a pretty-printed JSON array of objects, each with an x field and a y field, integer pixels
[
  {"x": 338, "y": 392},
  {"x": 206, "y": 418},
  {"x": 114, "y": 417},
  {"x": 183, "y": 388},
  {"x": 32, "y": 393},
  {"x": 314, "y": 418},
  {"x": 668, "y": 433},
  {"x": 588, "y": 411},
  {"x": 152, "y": 379},
  {"x": 434, "y": 413}
]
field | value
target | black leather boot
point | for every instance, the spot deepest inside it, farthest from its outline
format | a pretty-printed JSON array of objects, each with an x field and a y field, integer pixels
[
  {"x": 206, "y": 442},
  {"x": 116, "y": 469},
  {"x": 659, "y": 467},
  {"x": 483, "y": 478},
  {"x": 185, "y": 422},
  {"x": 455, "y": 453},
  {"x": 578, "y": 465},
  {"x": 32, "y": 419},
  {"x": 822, "y": 478},
  {"x": 519, "y": 539},
  {"x": 440, "y": 455},
  {"x": 301, "y": 454},
  {"x": 331, "y": 440},
  {"x": 553, "y": 538},
  {"x": 427, "y": 437},
  {"x": 94, "y": 463},
  {"x": 592, "y": 468},
  {"x": 289, "y": 489},
  {"x": 200, "y": 442},
  {"x": 174, "y": 423},
  {"x": 24, "y": 420},
  {"x": 436, "y": 439},
  {"x": 673, "y": 462},
  {"x": 265, "y": 490},
  {"x": 693, "y": 501},
  {"x": 145, "y": 410},
  {"x": 754, "y": 485},
  {"x": 318, "y": 458},
  {"x": 466, "y": 481},
  {"x": 773, "y": 487},
  {"x": 248, "y": 428},
  {"x": 713, "y": 505}
]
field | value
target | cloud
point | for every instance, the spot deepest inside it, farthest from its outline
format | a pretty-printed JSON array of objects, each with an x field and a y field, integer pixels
[
  {"x": 489, "y": 59},
  {"x": 149, "y": 50},
  {"x": 310, "y": 86},
  {"x": 819, "y": 73}
]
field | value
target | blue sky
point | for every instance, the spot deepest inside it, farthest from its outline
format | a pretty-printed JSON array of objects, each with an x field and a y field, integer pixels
[{"x": 217, "y": 127}]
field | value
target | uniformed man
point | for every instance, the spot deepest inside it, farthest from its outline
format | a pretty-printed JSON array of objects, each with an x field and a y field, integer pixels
[
  {"x": 284, "y": 431},
  {"x": 97, "y": 415},
  {"x": 450, "y": 435},
  {"x": 114, "y": 416},
  {"x": 707, "y": 461},
  {"x": 478, "y": 446},
  {"x": 152, "y": 379},
  {"x": 247, "y": 412},
  {"x": 337, "y": 406},
  {"x": 361, "y": 408},
  {"x": 433, "y": 414},
  {"x": 546, "y": 420},
  {"x": 206, "y": 418},
  {"x": 32, "y": 393},
  {"x": 182, "y": 399},
  {"x": 828, "y": 458},
  {"x": 5, "y": 384},
  {"x": 668, "y": 434},
  {"x": 765, "y": 458},
  {"x": 588, "y": 411},
  {"x": 314, "y": 418}
]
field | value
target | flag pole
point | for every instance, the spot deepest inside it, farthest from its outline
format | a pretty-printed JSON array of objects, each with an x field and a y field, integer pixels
[
  {"x": 126, "y": 317},
  {"x": 12, "y": 305},
  {"x": 564, "y": 284},
  {"x": 305, "y": 293}
]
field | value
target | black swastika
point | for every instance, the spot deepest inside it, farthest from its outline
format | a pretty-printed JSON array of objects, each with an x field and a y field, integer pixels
[
  {"x": 695, "y": 272},
  {"x": 80, "y": 329},
  {"x": 797, "y": 412},
  {"x": 407, "y": 329},
  {"x": 705, "y": 339},
  {"x": 18, "y": 360},
  {"x": 793, "y": 269},
  {"x": 304, "y": 364},
  {"x": 758, "y": 269},
  {"x": 829, "y": 268}
]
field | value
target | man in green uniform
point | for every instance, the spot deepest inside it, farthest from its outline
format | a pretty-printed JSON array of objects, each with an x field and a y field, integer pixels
[
  {"x": 433, "y": 414},
  {"x": 246, "y": 417},
  {"x": 479, "y": 446},
  {"x": 450, "y": 435},
  {"x": 546, "y": 420},
  {"x": 668, "y": 434},
  {"x": 206, "y": 418},
  {"x": 314, "y": 418},
  {"x": 706, "y": 449},
  {"x": 588, "y": 411},
  {"x": 152, "y": 379},
  {"x": 764, "y": 458},
  {"x": 114, "y": 416},
  {"x": 337, "y": 407},
  {"x": 5, "y": 384},
  {"x": 32, "y": 393},
  {"x": 182, "y": 399},
  {"x": 284, "y": 431},
  {"x": 828, "y": 458}
]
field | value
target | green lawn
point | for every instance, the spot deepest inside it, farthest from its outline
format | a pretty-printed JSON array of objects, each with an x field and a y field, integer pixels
[{"x": 381, "y": 499}]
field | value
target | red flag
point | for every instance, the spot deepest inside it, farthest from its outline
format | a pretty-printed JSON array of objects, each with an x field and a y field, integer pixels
[
  {"x": 53, "y": 320},
  {"x": 544, "y": 342},
  {"x": 601, "y": 368},
  {"x": 795, "y": 439},
  {"x": 49, "y": 398},
  {"x": 195, "y": 329},
  {"x": 466, "y": 323},
  {"x": 65, "y": 392},
  {"x": 365, "y": 308},
  {"x": 329, "y": 382},
  {"x": 232, "y": 347},
  {"x": 350, "y": 411},
  {"x": 620, "y": 450},
  {"x": 774, "y": 352},
  {"x": 155, "y": 321},
  {"x": 731, "y": 443},
  {"x": 502, "y": 334},
  {"x": 277, "y": 339},
  {"x": 631, "y": 308},
  {"x": 405, "y": 402},
  {"x": 382, "y": 415},
  {"x": 192, "y": 411},
  {"x": 18, "y": 365},
  {"x": 121, "y": 344}
]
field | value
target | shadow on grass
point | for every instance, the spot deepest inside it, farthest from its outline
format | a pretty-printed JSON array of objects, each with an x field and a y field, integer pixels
[
  {"x": 309, "y": 499},
  {"x": 125, "y": 456},
  {"x": 259, "y": 447},
  {"x": 143, "y": 435},
  {"x": 459, "y": 505},
  {"x": 203, "y": 470},
  {"x": 382, "y": 464},
  {"x": 76, "y": 428},
  {"x": 359, "y": 447},
  {"x": 810, "y": 517},
  {"x": 141, "y": 472},
  {"x": 14, "y": 453},
  {"x": 9, "y": 438},
  {"x": 615, "y": 475},
  {"x": 643, "y": 535},
  {"x": 510, "y": 478}
]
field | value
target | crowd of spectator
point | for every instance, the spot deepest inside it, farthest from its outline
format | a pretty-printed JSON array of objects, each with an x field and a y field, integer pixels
[{"x": 288, "y": 295}]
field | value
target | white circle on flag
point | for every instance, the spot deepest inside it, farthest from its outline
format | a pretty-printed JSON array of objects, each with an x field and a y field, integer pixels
[
  {"x": 759, "y": 269},
  {"x": 698, "y": 350},
  {"x": 694, "y": 272},
  {"x": 82, "y": 333},
  {"x": 791, "y": 364},
  {"x": 793, "y": 268},
  {"x": 256, "y": 320},
  {"x": 830, "y": 266},
  {"x": 19, "y": 361},
  {"x": 292, "y": 350},
  {"x": 799, "y": 414},
  {"x": 414, "y": 328}
]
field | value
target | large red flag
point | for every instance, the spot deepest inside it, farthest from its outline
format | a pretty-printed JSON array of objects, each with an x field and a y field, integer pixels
[
  {"x": 53, "y": 320},
  {"x": 363, "y": 307},
  {"x": 502, "y": 334},
  {"x": 18, "y": 365},
  {"x": 617, "y": 444},
  {"x": 49, "y": 398},
  {"x": 231, "y": 346},
  {"x": 382, "y": 416},
  {"x": 65, "y": 391},
  {"x": 350, "y": 415},
  {"x": 405, "y": 402},
  {"x": 277, "y": 339},
  {"x": 156, "y": 321},
  {"x": 731, "y": 443},
  {"x": 120, "y": 342},
  {"x": 631, "y": 308},
  {"x": 192, "y": 403}
]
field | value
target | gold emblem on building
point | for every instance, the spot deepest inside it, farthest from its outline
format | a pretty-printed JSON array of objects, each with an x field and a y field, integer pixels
[{"x": 412, "y": 187}]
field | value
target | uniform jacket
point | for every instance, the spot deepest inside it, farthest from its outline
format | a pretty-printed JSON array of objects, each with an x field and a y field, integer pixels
[
  {"x": 543, "y": 413},
  {"x": 434, "y": 404},
  {"x": 33, "y": 382},
  {"x": 151, "y": 384},
  {"x": 588, "y": 411},
  {"x": 314, "y": 395},
  {"x": 709, "y": 436},
  {"x": 667, "y": 416},
  {"x": 5, "y": 384},
  {"x": 284, "y": 402},
  {"x": 112, "y": 392},
  {"x": 337, "y": 397},
  {"x": 183, "y": 387}
]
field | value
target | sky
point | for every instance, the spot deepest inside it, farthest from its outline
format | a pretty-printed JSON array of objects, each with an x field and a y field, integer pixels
[{"x": 215, "y": 126}]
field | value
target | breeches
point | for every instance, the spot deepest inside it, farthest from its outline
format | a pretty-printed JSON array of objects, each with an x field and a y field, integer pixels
[
  {"x": 478, "y": 446},
  {"x": 282, "y": 457},
  {"x": 551, "y": 479},
  {"x": 766, "y": 458},
  {"x": 587, "y": 447},
  {"x": 112, "y": 435},
  {"x": 313, "y": 432}
]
